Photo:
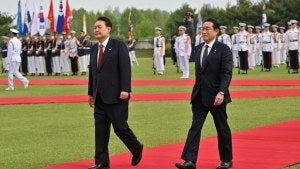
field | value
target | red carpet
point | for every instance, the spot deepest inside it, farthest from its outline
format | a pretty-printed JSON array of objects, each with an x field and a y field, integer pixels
[
  {"x": 269, "y": 147},
  {"x": 248, "y": 82},
  {"x": 147, "y": 97}
]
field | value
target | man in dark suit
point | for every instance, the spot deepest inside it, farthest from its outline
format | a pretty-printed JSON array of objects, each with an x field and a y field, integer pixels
[
  {"x": 109, "y": 92},
  {"x": 210, "y": 93}
]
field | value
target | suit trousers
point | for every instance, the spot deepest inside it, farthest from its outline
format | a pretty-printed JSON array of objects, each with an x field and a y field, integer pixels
[
  {"x": 191, "y": 148},
  {"x": 117, "y": 115}
]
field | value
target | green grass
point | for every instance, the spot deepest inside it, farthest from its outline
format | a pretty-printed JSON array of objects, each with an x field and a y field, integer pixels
[{"x": 33, "y": 136}]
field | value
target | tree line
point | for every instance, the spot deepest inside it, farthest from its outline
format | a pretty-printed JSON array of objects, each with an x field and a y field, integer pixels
[{"x": 278, "y": 12}]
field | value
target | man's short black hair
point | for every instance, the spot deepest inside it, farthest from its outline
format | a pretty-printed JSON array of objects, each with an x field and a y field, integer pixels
[
  {"x": 106, "y": 20},
  {"x": 216, "y": 24}
]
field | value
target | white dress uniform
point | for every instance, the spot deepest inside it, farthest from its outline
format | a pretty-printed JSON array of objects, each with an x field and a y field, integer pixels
[
  {"x": 283, "y": 40},
  {"x": 225, "y": 38},
  {"x": 267, "y": 41},
  {"x": 64, "y": 56},
  {"x": 258, "y": 52},
  {"x": 183, "y": 50},
  {"x": 234, "y": 49},
  {"x": 131, "y": 48},
  {"x": 39, "y": 57},
  {"x": 198, "y": 40},
  {"x": 252, "y": 50},
  {"x": 56, "y": 59},
  {"x": 13, "y": 54},
  {"x": 159, "y": 53},
  {"x": 276, "y": 48},
  {"x": 293, "y": 47},
  {"x": 243, "y": 44}
]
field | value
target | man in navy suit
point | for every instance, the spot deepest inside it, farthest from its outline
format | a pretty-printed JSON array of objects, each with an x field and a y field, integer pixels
[
  {"x": 210, "y": 94},
  {"x": 109, "y": 92}
]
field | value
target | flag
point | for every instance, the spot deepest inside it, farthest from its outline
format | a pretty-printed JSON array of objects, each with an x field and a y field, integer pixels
[
  {"x": 27, "y": 20},
  {"x": 130, "y": 25},
  {"x": 51, "y": 17},
  {"x": 34, "y": 26},
  {"x": 19, "y": 19},
  {"x": 60, "y": 19},
  {"x": 84, "y": 24},
  {"x": 199, "y": 22},
  {"x": 68, "y": 18},
  {"x": 264, "y": 15},
  {"x": 42, "y": 23}
]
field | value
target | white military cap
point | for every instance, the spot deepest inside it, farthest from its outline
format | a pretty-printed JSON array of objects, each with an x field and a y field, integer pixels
[
  {"x": 157, "y": 29},
  {"x": 72, "y": 32},
  {"x": 293, "y": 21},
  {"x": 289, "y": 23},
  {"x": 250, "y": 26},
  {"x": 14, "y": 30},
  {"x": 5, "y": 37},
  {"x": 63, "y": 33},
  {"x": 235, "y": 27},
  {"x": 182, "y": 28},
  {"x": 274, "y": 26},
  {"x": 223, "y": 27},
  {"x": 266, "y": 25},
  {"x": 257, "y": 27},
  {"x": 283, "y": 28},
  {"x": 242, "y": 24}
]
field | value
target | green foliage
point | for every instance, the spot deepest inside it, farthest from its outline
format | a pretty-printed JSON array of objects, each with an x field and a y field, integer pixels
[
  {"x": 278, "y": 12},
  {"x": 5, "y": 22}
]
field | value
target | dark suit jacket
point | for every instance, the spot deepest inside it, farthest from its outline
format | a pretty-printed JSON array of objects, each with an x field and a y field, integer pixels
[
  {"x": 214, "y": 76},
  {"x": 114, "y": 74}
]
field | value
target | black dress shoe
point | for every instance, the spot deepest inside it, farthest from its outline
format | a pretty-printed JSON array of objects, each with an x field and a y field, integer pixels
[
  {"x": 137, "y": 157},
  {"x": 186, "y": 165},
  {"x": 99, "y": 166},
  {"x": 225, "y": 165}
]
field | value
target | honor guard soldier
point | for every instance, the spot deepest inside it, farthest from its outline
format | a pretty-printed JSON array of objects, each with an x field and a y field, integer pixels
[
  {"x": 24, "y": 57},
  {"x": 243, "y": 43},
  {"x": 87, "y": 44},
  {"x": 224, "y": 38},
  {"x": 64, "y": 62},
  {"x": 234, "y": 46},
  {"x": 48, "y": 53},
  {"x": 252, "y": 47},
  {"x": 5, "y": 65},
  {"x": 56, "y": 54},
  {"x": 159, "y": 51},
  {"x": 131, "y": 49},
  {"x": 258, "y": 52},
  {"x": 31, "y": 55},
  {"x": 73, "y": 53},
  {"x": 183, "y": 50},
  {"x": 39, "y": 56},
  {"x": 199, "y": 38},
  {"x": 282, "y": 49},
  {"x": 81, "y": 55},
  {"x": 276, "y": 47},
  {"x": 14, "y": 50},
  {"x": 293, "y": 40},
  {"x": 267, "y": 40}
]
